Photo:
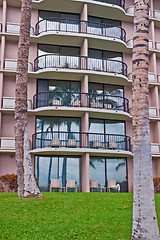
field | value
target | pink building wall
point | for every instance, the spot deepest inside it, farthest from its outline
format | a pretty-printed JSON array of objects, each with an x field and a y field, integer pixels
[{"x": 7, "y": 85}]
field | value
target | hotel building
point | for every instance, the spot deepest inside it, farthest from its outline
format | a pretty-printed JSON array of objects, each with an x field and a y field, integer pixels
[{"x": 79, "y": 91}]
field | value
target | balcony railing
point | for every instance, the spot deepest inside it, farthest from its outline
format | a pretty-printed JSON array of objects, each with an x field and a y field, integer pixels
[
  {"x": 120, "y": 3},
  {"x": 11, "y": 64},
  {"x": 15, "y": 28},
  {"x": 77, "y": 26},
  {"x": 76, "y": 99},
  {"x": 81, "y": 140},
  {"x": 80, "y": 63}
]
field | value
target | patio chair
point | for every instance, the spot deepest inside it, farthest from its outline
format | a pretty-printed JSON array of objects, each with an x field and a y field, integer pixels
[
  {"x": 97, "y": 144},
  {"x": 76, "y": 103},
  {"x": 56, "y": 102},
  {"x": 55, "y": 143},
  {"x": 71, "y": 184},
  {"x": 94, "y": 104},
  {"x": 108, "y": 106},
  {"x": 72, "y": 143},
  {"x": 112, "y": 145},
  {"x": 112, "y": 185},
  {"x": 54, "y": 184},
  {"x": 93, "y": 183}
]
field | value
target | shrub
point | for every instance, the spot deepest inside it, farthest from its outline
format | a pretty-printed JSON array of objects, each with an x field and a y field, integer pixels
[
  {"x": 156, "y": 184},
  {"x": 10, "y": 183}
]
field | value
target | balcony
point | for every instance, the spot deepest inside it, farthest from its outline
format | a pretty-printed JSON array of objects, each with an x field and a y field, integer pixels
[
  {"x": 7, "y": 143},
  {"x": 130, "y": 44},
  {"x": 120, "y": 3},
  {"x": 158, "y": 46},
  {"x": 151, "y": 77},
  {"x": 81, "y": 140},
  {"x": 9, "y": 103},
  {"x": 155, "y": 148},
  {"x": 157, "y": 14},
  {"x": 76, "y": 26},
  {"x": 153, "y": 112},
  {"x": 15, "y": 28},
  {"x": 75, "y": 99},
  {"x": 130, "y": 11},
  {"x": 80, "y": 63},
  {"x": 11, "y": 65}
]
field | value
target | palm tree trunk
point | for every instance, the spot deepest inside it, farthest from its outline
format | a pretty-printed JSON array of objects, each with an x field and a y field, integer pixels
[
  {"x": 144, "y": 214},
  {"x": 27, "y": 186}
]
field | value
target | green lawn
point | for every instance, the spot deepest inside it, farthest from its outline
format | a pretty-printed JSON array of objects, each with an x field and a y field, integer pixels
[{"x": 68, "y": 216}]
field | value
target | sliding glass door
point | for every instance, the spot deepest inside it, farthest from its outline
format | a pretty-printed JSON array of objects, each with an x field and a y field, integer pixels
[
  {"x": 61, "y": 168},
  {"x": 105, "y": 169}
]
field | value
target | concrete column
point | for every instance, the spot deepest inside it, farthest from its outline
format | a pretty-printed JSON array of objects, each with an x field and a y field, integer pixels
[
  {"x": 84, "y": 48},
  {"x": 84, "y": 89},
  {"x": 84, "y": 54},
  {"x": 3, "y": 41},
  {"x": 84, "y": 13},
  {"x": 85, "y": 173},
  {"x": 130, "y": 174},
  {"x": 85, "y": 122},
  {"x": 84, "y": 19},
  {"x": 4, "y": 16}
]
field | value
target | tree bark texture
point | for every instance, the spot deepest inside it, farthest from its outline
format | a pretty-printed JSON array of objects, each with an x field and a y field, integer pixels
[
  {"x": 144, "y": 214},
  {"x": 27, "y": 186}
]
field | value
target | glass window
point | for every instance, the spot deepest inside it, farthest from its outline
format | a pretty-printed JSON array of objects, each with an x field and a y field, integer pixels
[
  {"x": 61, "y": 168},
  {"x": 47, "y": 14},
  {"x": 97, "y": 172},
  {"x": 114, "y": 127},
  {"x": 49, "y": 49},
  {"x": 96, "y": 126},
  {"x": 116, "y": 170},
  {"x": 113, "y": 90},
  {"x": 102, "y": 170}
]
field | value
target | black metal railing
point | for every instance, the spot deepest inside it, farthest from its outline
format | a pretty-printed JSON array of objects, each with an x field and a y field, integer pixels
[
  {"x": 80, "y": 140},
  {"x": 120, "y": 3},
  {"x": 78, "y": 26},
  {"x": 77, "y": 99},
  {"x": 80, "y": 63}
]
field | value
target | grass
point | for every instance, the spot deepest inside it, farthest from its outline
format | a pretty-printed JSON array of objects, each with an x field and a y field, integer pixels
[{"x": 68, "y": 216}]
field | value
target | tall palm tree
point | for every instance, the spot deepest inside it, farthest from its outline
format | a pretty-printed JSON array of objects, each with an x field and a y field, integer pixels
[
  {"x": 27, "y": 186},
  {"x": 144, "y": 214}
]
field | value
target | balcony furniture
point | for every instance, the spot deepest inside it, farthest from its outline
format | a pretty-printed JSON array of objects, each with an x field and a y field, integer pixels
[
  {"x": 79, "y": 26},
  {"x": 112, "y": 145},
  {"x": 56, "y": 102},
  {"x": 155, "y": 148},
  {"x": 54, "y": 184},
  {"x": 108, "y": 106},
  {"x": 71, "y": 184},
  {"x": 97, "y": 144},
  {"x": 49, "y": 61},
  {"x": 94, "y": 104},
  {"x": 93, "y": 183},
  {"x": 72, "y": 143},
  {"x": 112, "y": 185},
  {"x": 77, "y": 103},
  {"x": 81, "y": 139},
  {"x": 55, "y": 143}
]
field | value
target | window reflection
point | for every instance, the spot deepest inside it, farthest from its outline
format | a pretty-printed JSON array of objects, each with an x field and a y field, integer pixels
[
  {"x": 57, "y": 131},
  {"x": 61, "y": 168},
  {"x": 107, "y": 134},
  {"x": 104, "y": 169},
  {"x": 102, "y": 60},
  {"x": 57, "y": 56},
  {"x": 55, "y": 21},
  {"x": 106, "y": 96},
  {"x": 57, "y": 92}
]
